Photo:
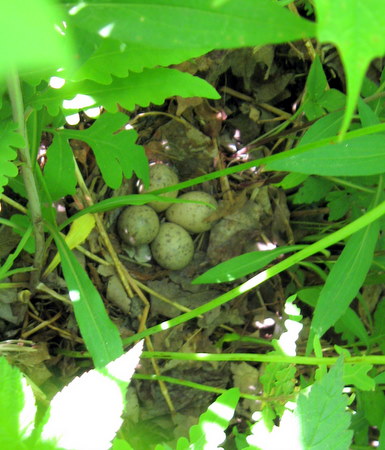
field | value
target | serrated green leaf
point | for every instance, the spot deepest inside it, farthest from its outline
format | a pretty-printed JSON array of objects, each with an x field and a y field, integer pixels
[
  {"x": 28, "y": 36},
  {"x": 356, "y": 28},
  {"x": 86, "y": 414},
  {"x": 116, "y": 152},
  {"x": 9, "y": 138},
  {"x": 210, "y": 431},
  {"x": 345, "y": 278},
  {"x": 100, "y": 335},
  {"x": 199, "y": 24},
  {"x": 241, "y": 265},
  {"x": 149, "y": 86},
  {"x": 364, "y": 155},
  {"x": 116, "y": 58},
  {"x": 322, "y": 413},
  {"x": 59, "y": 171},
  {"x": 12, "y": 399}
]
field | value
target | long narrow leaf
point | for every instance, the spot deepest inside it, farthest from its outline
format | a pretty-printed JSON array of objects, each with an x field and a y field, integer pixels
[
  {"x": 242, "y": 265},
  {"x": 345, "y": 278},
  {"x": 99, "y": 333},
  {"x": 364, "y": 155}
]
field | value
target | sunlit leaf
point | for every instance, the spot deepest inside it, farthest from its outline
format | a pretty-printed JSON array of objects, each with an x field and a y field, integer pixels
[
  {"x": 356, "y": 27},
  {"x": 9, "y": 138},
  {"x": 87, "y": 413},
  {"x": 28, "y": 38},
  {"x": 116, "y": 151},
  {"x": 198, "y": 24}
]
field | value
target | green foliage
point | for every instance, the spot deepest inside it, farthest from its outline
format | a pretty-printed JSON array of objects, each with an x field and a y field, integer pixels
[
  {"x": 85, "y": 414},
  {"x": 115, "y": 55},
  {"x": 9, "y": 139}
]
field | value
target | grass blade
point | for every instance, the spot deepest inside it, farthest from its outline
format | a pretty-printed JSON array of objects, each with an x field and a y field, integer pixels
[{"x": 100, "y": 335}]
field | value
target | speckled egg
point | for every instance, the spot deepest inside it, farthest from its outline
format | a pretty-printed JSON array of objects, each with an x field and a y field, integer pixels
[
  {"x": 173, "y": 247},
  {"x": 191, "y": 216},
  {"x": 138, "y": 225},
  {"x": 161, "y": 176}
]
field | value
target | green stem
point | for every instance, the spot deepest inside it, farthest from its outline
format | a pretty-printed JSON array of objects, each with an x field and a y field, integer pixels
[
  {"x": 265, "y": 358},
  {"x": 15, "y": 95},
  {"x": 258, "y": 279}
]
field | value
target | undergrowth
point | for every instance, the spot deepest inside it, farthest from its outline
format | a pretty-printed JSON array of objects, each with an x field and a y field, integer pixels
[{"x": 60, "y": 59}]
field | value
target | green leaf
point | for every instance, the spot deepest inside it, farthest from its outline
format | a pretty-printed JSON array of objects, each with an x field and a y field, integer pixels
[
  {"x": 356, "y": 28},
  {"x": 9, "y": 138},
  {"x": 345, "y": 278},
  {"x": 363, "y": 155},
  {"x": 116, "y": 58},
  {"x": 100, "y": 335},
  {"x": 59, "y": 172},
  {"x": 210, "y": 431},
  {"x": 86, "y": 414},
  {"x": 28, "y": 36},
  {"x": 322, "y": 413},
  {"x": 171, "y": 24},
  {"x": 357, "y": 375},
  {"x": 116, "y": 153},
  {"x": 313, "y": 189},
  {"x": 242, "y": 265},
  {"x": 11, "y": 404},
  {"x": 149, "y": 86}
]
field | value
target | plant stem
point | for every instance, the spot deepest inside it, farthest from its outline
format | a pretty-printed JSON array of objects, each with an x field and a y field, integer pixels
[{"x": 15, "y": 95}]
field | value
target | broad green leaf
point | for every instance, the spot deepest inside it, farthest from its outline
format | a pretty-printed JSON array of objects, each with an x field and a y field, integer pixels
[
  {"x": 116, "y": 153},
  {"x": 357, "y": 375},
  {"x": 210, "y": 431},
  {"x": 322, "y": 413},
  {"x": 9, "y": 138},
  {"x": 363, "y": 155},
  {"x": 59, "y": 172},
  {"x": 356, "y": 27},
  {"x": 100, "y": 335},
  {"x": 345, "y": 278},
  {"x": 242, "y": 265},
  {"x": 171, "y": 24},
  {"x": 319, "y": 98},
  {"x": 116, "y": 58},
  {"x": 28, "y": 36},
  {"x": 11, "y": 402},
  {"x": 87, "y": 413},
  {"x": 149, "y": 86}
]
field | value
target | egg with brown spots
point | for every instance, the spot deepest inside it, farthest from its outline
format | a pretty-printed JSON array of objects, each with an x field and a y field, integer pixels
[
  {"x": 173, "y": 247},
  {"x": 138, "y": 225}
]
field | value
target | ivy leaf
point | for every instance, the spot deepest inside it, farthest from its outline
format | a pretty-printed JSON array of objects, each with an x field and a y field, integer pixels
[
  {"x": 151, "y": 85},
  {"x": 116, "y": 58},
  {"x": 9, "y": 138},
  {"x": 28, "y": 38},
  {"x": 323, "y": 416},
  {"x": 356, "y": 27},
  {"x": 59, "y": 172},
  {"x": 116, "y": 153},
  {"x": 200, "y": 24}
]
